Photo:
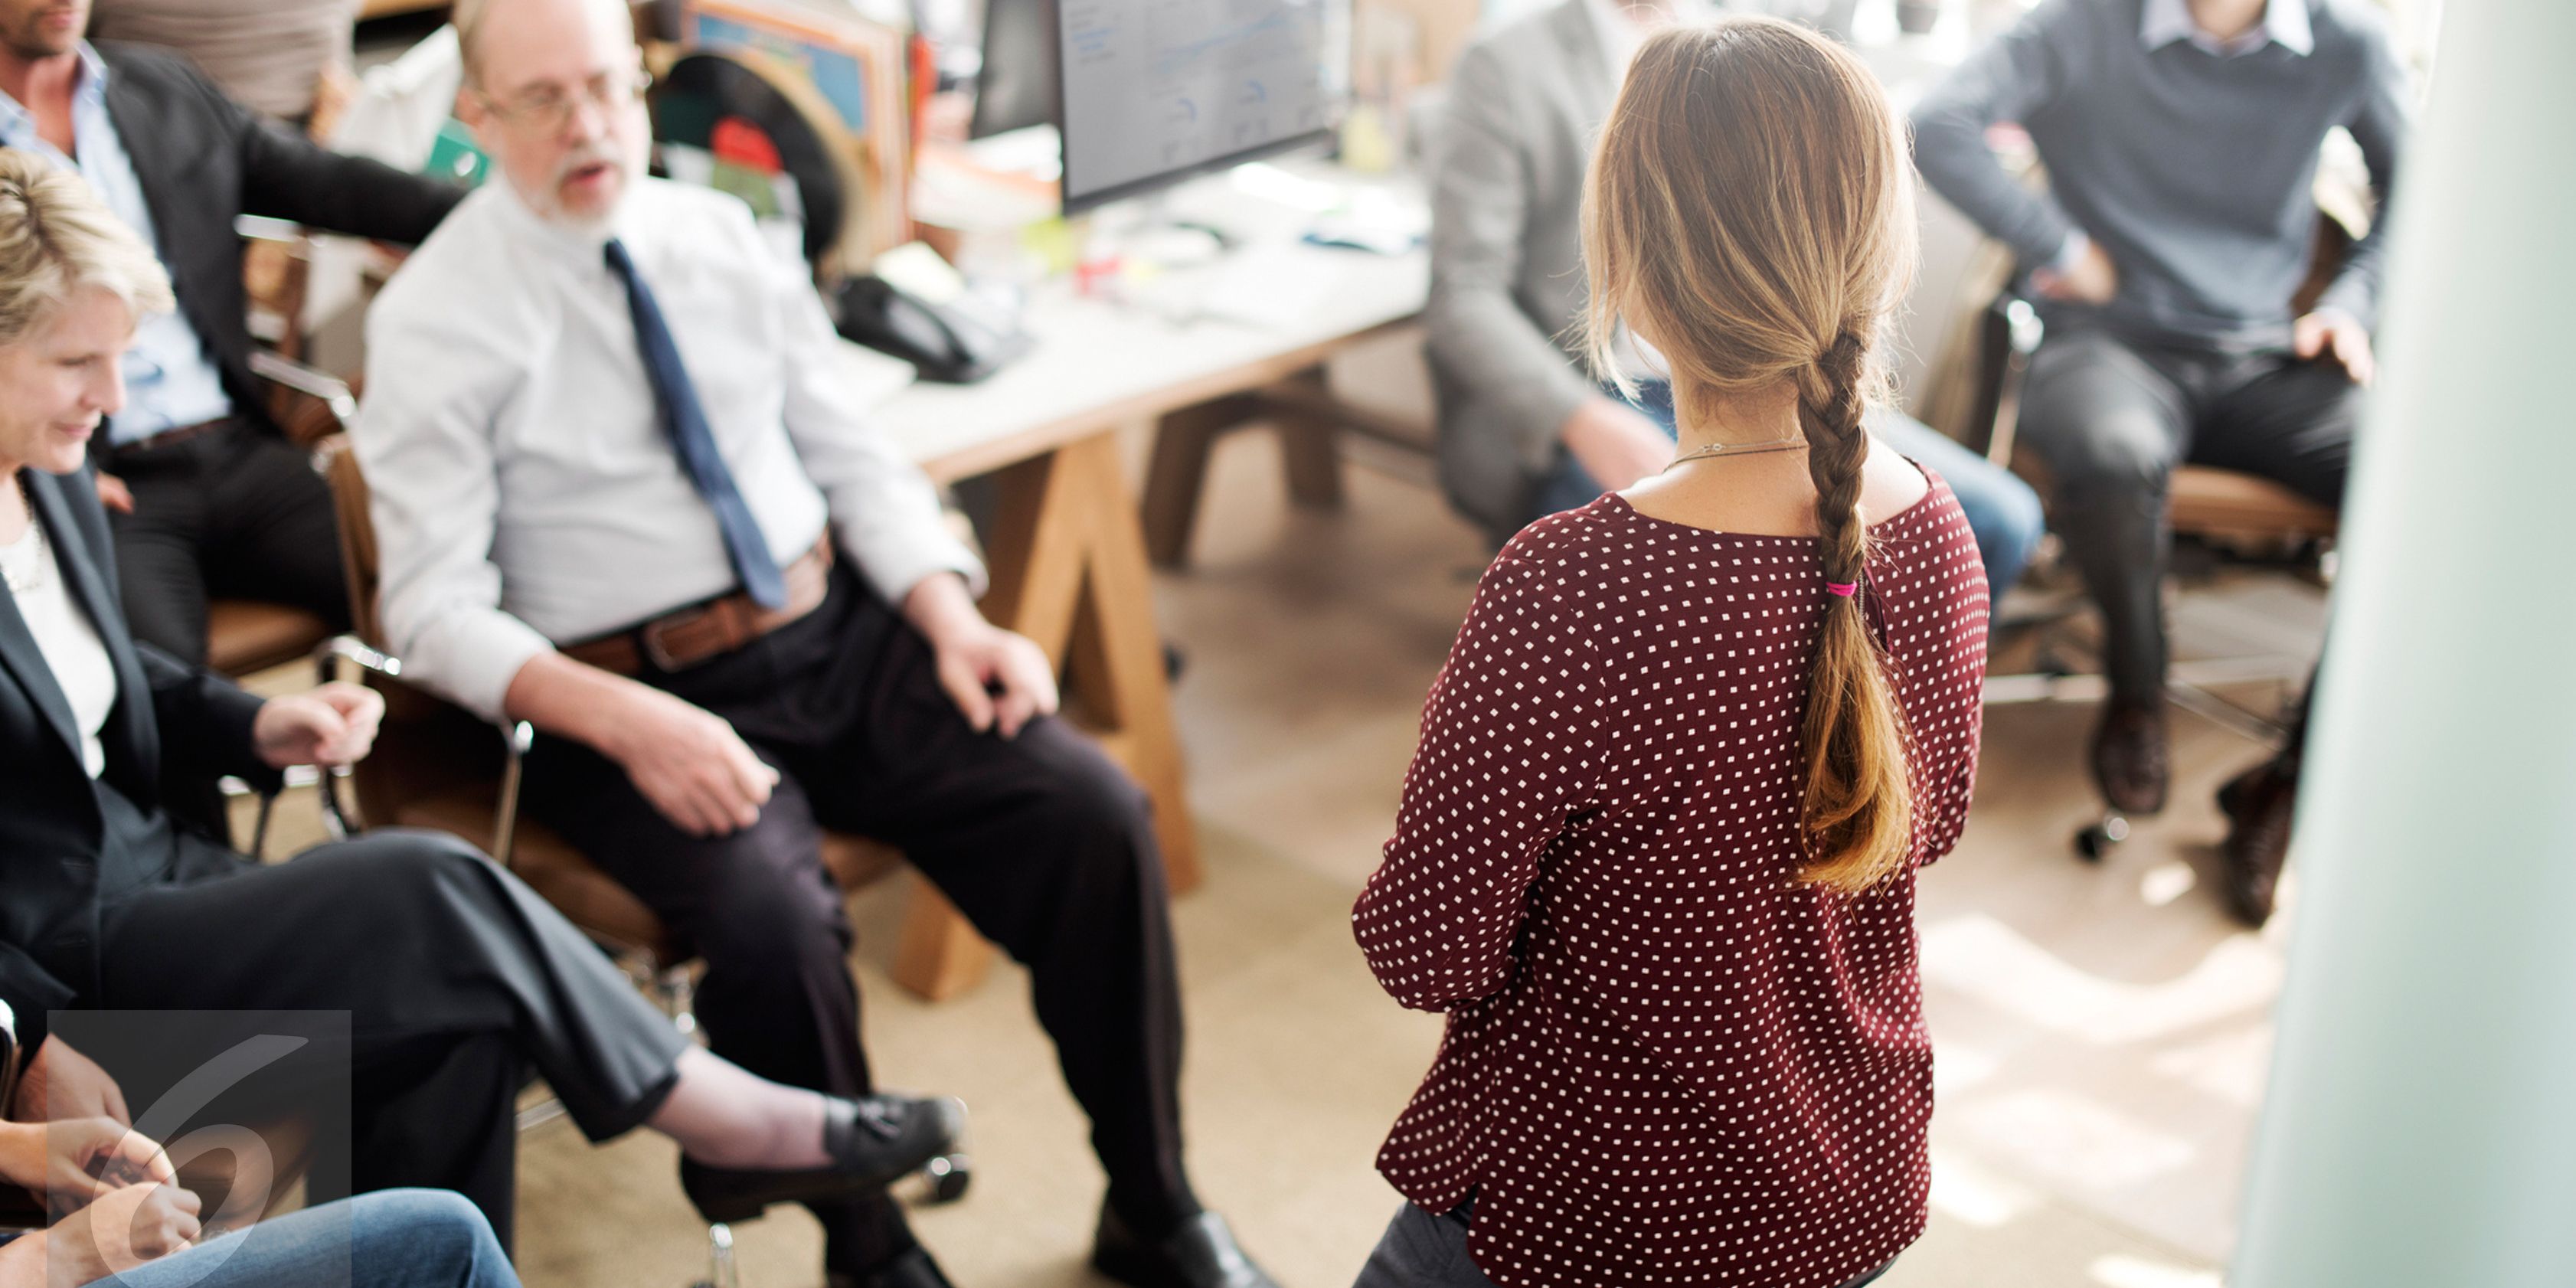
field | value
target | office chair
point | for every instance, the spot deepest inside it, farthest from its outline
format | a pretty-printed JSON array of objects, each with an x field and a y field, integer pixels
[
  {"x": 2201, "y": 501},
  {"x": 243, "y": 636},
  {"x": 437, "y": 766}
]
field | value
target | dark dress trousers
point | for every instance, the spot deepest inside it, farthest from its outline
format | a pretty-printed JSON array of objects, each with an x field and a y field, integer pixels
[
  {"x": 458, "y": 981},
  {"x": 1043, "y": 843},
  {"x": 237, "y": 509}
]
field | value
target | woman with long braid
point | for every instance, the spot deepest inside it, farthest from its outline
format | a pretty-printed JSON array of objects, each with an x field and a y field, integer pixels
[{"x": 1657, "y": 850}]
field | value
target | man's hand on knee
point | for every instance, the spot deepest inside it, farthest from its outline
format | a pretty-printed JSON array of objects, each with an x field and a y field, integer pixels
[
  {"x": 2327, "y": 333},
  {"x": 1615, "y": 443},
  {"x": 2083, "y": 274},
  {"x": 690, "y": 763},
  {"x": 997, "y": 678}
]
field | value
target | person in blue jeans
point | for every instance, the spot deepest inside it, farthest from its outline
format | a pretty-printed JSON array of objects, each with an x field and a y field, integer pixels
[
  {"x": 1523, "y": 432},
  {"x": 133, "y": 1226},
  {"x": 2002, "y": 511}
]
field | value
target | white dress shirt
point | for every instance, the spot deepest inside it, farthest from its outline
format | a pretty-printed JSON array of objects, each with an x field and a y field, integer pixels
[
  {"x": 525, "y": 494},
  {"x": 2285, "y": 23},
  {"x": 64, "y": 635}
]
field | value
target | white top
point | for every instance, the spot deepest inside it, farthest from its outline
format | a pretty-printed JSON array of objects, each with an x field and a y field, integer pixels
[
  {"x": 64, "y": 634},
  {"x": 525, "y": 493}
]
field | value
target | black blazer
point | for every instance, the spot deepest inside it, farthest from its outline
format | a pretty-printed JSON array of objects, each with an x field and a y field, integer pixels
[
  {"x": 204, "y": 160},
  {"x": 66, "y": 841}
]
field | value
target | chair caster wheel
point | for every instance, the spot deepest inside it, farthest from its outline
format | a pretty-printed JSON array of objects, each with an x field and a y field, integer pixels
[
  {"x": 949, "y": 1176},
  {"x": 2095, "y": 841}
]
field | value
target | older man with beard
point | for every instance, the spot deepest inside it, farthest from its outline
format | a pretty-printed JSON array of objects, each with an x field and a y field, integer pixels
[{"x": 621, "y": 494}]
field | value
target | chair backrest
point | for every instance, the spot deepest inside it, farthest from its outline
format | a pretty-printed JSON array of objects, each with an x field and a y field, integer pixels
[
  {"x": 429, "y": 748},
  {"x": 357, "y": 525}
]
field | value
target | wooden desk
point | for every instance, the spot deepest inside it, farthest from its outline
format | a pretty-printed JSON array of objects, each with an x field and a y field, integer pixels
[{"x": 1067, "y": 551}]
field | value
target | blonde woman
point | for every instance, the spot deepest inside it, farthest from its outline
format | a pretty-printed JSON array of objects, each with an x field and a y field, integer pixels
[
  {"x": 1657, "y": 850},
  {"x": 457, "y": 980}
]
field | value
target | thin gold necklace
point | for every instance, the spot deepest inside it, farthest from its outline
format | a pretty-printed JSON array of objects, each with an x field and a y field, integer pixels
[{"x": 1794, "y": 442}]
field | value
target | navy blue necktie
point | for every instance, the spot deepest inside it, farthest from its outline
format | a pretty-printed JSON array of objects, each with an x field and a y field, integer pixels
[{"x": 686, "y": 422}]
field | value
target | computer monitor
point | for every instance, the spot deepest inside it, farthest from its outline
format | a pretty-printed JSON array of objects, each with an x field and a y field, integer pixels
[
  {"x": 1154, "y": 91},
  {"x": 1017, "y": 85}
]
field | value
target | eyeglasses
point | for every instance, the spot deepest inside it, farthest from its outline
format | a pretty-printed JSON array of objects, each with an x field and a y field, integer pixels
[{"x": 548, "y": 111}]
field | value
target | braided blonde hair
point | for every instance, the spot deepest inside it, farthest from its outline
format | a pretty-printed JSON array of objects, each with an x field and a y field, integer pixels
[
  {"x": 56, "y": 238},
  {"x": 1750, "y": 213}
]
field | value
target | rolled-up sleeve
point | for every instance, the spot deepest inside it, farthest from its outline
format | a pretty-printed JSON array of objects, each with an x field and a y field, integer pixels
[
  {"x": 884, "y": 510},
  {"x": 424, "y": 439}
]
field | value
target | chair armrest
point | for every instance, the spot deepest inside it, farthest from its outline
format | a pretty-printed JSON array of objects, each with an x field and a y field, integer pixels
[
  {"x": 2013, "y": 325},
  {"x": 265, "y": 228},
  {"x": 322, "y": 387},
  {"x": 358, "y": 653},
  {"x": 516, "y": 738},
  {"x": 9, "y": 1054}
]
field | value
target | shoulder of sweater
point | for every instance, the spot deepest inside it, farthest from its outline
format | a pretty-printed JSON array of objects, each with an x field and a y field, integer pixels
[
  {"x": 2080, "y": 31},
  {"x": 2349, "y": 28}
]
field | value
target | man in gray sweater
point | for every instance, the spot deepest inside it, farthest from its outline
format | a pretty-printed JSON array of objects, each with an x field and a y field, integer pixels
[{"x": 2181, "y": 140}]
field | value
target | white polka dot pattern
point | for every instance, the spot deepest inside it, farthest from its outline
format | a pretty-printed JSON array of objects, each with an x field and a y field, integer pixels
[{"x": 1667, "y": 1063}]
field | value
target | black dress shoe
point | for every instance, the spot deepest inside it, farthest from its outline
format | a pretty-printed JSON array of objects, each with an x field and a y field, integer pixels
[
  {"x": 2258, "y": 803},
  {"x": 871, "y": 1140},
  {"x": 913, "y": 1269},
  {"x": 1199, "y": 1253},
  {"x": 2130, "y": 756}
]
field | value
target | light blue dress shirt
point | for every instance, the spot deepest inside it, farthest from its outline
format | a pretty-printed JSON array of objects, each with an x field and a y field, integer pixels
[
  {"x": 170, "y": 379},
  {"x": 2285, "y": 23}
]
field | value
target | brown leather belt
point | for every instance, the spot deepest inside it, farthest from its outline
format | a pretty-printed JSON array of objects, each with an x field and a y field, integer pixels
[
  {"x": 170, "y": 437},
  {"x": 679, "y": 640}
]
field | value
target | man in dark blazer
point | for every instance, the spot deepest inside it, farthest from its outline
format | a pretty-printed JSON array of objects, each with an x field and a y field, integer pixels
[{"x": 206, "y": 494}]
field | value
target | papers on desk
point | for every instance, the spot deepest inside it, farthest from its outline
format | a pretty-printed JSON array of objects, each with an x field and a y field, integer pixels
[
  {"x": 1267, "y": 284},
  {"x": 873, "y": 377}
]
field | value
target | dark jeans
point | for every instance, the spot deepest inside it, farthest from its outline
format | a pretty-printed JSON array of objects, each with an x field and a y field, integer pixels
[
  {"x": 2002, "y": 511},
  {"x": 2113, "y": 418},
  {"x": 1043, "y": 843},
  {"x": 236, "y": 512},
  {"x": 1422, "y": 1249}
]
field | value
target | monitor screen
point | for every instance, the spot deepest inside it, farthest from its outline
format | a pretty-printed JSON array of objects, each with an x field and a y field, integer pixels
[{"x": 1156, "y": 90}]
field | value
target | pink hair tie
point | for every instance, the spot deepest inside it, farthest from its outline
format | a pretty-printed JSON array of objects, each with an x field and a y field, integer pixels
[{"x": 1843, "y": 588}]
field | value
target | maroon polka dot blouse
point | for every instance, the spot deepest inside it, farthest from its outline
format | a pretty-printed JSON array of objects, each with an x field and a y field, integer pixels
[{"x": 1667, "y": 1063}]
